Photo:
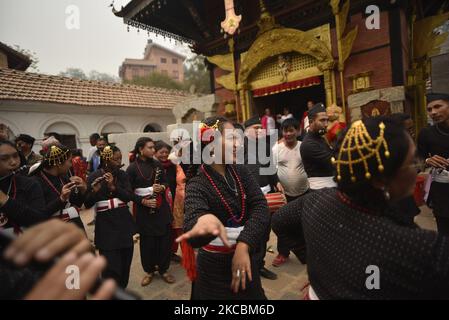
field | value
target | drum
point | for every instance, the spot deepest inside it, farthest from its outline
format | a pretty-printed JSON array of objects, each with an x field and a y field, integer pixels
[{"x": 275, "y": 201}]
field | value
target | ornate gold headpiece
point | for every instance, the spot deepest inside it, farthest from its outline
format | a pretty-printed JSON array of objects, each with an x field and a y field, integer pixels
[
  {"x": 359, "y": 141},
  {"x": 107, "y": 153},
  {"x": 204, "y": 128},
  {"x": 56, "y": 156}
]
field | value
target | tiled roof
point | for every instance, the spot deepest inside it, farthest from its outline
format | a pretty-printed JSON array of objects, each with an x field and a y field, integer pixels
[{"x": 26, "y": 86}]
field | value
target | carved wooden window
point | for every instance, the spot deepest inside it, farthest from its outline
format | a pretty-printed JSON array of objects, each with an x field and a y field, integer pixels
[{"x": 270, "y": 68}]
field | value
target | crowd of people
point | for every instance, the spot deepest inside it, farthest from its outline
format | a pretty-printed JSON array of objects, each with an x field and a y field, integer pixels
[{"x": 340, "y": 199}]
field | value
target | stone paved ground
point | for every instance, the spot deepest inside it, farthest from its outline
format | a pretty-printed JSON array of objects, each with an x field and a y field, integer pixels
[{"x": 291, "y": 277}]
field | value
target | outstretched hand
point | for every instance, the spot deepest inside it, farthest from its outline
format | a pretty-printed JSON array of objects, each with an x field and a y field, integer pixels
[{"x": 207, "y": 225}]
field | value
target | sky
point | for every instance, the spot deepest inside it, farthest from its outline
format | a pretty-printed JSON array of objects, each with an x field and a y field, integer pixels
[{"x": 101, "y": 43}]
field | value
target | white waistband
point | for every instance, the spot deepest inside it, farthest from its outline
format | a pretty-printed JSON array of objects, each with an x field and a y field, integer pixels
[
  {"x": 266, "y": 189},
  {"x": 317, "y": 183},
  {"x": 108, "y": 204},
  {"x": 312, "y": 294},
  {"x": 441, "y": 176},
  {"x": 143, "y": 192},
  {"x": 232, "y": 233},
  {"x": 70, "y": 213}
]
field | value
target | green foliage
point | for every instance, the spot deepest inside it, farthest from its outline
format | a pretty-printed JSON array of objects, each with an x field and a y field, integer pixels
[
  {"x": 30, "y": 54},
  {"x": 156, "y": 79},
  {"x": 196, "y": 75}
]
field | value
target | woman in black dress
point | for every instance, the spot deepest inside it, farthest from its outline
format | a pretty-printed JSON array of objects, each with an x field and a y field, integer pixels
[
  {"x": 153, "y": 216},
  {"x": 224, "y": 200},
  {"x": 63, "y": 193},
  {"x": 162, "y": 152},
  {"x": 109, "y": 191},
  {"x": 358, "y": 246},
  {"x": 21, "y": 198}
]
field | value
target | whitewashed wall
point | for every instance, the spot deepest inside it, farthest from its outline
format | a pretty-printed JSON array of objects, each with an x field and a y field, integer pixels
[{"x": 36, "y": 118}]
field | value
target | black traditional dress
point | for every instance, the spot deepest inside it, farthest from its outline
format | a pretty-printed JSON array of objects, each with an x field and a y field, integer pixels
[
  {"x": 316, "y": 156},
  {"x": 23, "y": 209},
  {"x": 114, "y": 225},
  {"x": 154, "y": 228},
  {"x": 348, "y": 247},
  {"x": 266, "y": 181},
  {"x": 434, "y": 141},
  {"x": 215, "y": 267},
  {"x": 25, "y": 205},
  {"x": 54, "y": 207}
]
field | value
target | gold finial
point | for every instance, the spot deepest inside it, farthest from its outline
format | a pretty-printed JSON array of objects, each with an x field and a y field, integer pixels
[
  {"x": 359, "y": 141},
  {"x": 262, "y": 6},
  {"x": 266, "y": 21},
  {"x": 107, "y": 153}
]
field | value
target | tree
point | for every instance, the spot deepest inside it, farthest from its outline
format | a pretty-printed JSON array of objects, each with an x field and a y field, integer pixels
[
  {"x": 76, "y": 73},
  {"x": 156, "y": 79},
  {"x": 197, "y": 75},
  {"x": 30, "y": 54},
  {"x": 100, "y": 76}
]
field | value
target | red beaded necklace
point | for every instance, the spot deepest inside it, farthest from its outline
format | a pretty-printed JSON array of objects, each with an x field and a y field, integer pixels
[
  {"x": 52, "y": 186},
  {"x": 141, "y": 174},
  {"x": 223, "y": 200},
  {"x": 345, "y": 199},
  {"x": 12, "y": 185}
]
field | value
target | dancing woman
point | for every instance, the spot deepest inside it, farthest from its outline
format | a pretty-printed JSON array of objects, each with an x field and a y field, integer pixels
[{"x": 224, "y": 200}]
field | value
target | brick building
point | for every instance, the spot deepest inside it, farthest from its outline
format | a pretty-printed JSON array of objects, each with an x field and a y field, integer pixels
[{"x": 156, "y": 59}]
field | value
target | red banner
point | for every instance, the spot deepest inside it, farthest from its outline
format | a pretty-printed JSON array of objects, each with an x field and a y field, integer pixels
[{"x": 313, "y": 81}]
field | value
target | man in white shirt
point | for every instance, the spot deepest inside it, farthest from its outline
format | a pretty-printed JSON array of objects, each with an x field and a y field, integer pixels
[
  {"x": 290, "y": 170},
  {"x": 285, "y": 116}
]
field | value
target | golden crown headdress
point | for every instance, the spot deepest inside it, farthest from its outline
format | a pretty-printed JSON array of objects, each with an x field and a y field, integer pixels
[
  {"x": 56, "y": 156},
  {"x": 359, "y": 147},
  {"x": 107, "y": 153}
]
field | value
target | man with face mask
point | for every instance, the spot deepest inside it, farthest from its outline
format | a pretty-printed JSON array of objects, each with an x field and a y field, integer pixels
[{"x": 316, "y": 152}]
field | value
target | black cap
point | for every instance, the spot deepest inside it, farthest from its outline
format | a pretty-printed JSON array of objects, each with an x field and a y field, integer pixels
[
  {"x": 317, "y": 108},
  {"x": 26, "y": 138},
  {"x": 252, "y": 121},
  {"x": 437, "y": 96}
]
